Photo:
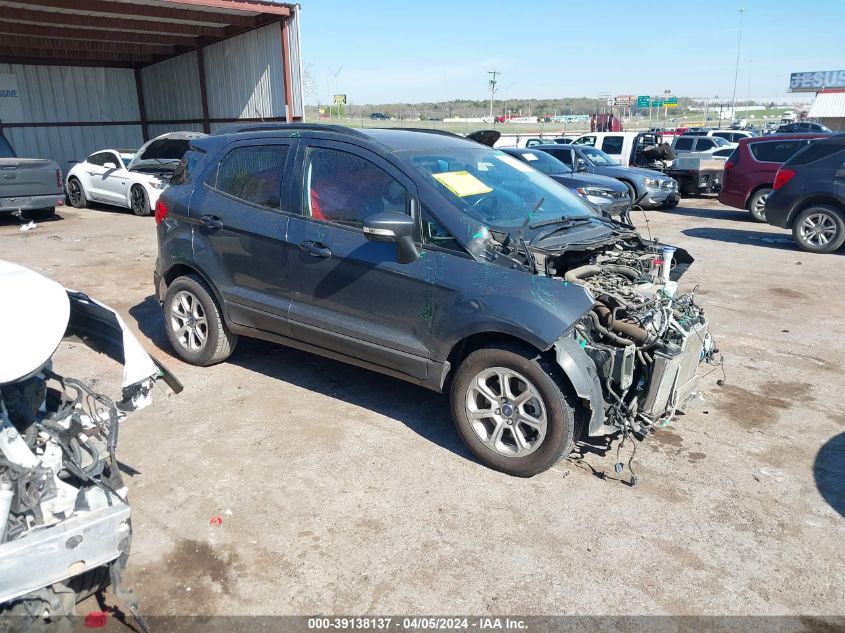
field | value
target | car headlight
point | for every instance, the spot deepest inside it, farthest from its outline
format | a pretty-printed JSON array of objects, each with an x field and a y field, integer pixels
[
  {"x": 594, "y": 191},
  {"x": 651, "y": 182},
  {"x": 159, "y": 184}
]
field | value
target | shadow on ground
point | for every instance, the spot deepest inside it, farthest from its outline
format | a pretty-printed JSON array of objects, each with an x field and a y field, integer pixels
[
  {"x": 829, "y": 472},
  {"x": 781, "y": 241},
  {"x": 424, "y": 412},
  {"x": 714, "y": 214}
]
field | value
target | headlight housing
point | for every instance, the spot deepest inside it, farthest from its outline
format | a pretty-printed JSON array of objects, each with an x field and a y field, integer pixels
[
  {"x": 651, "y": 182},
  {"x": 159, "y": 184},
  {"x": 595, "y": 191}
]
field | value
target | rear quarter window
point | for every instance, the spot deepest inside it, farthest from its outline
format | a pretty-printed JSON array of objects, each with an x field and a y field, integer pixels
[
  {"x": 775, "y": 151},
  {"x": 815, "y": 152},
  {"x": 189, "y": 166},
  {"x": 252, "y": 174}
]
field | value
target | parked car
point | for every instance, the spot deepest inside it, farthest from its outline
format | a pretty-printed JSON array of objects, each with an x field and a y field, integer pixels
[
  {"x": 432, "y": 258},
  {"x": 31, "y": 187},
  {"x": 379, "y": 116},
  {"x": 750, "y": 170},
  {"x": 563, "y": 140},
  {"x": 130, "y": 181},
  {"x": 695, "y": 131},
  {"x": 809, "y": 196},
  {"x": 731, "y": 136},
  {"x": 651, "y": 188},
  {"x": 698, "y": 144},
  {"x": 609, "y": 196},
  {"x": 622, "y": 147},
  {"x": 804, "y": 127}
]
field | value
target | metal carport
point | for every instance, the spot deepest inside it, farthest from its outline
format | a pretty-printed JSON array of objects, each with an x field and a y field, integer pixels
[{"x": 89, "y": 74}]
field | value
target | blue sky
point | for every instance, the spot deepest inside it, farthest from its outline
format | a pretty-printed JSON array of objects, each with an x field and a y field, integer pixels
[{"x": 396, "y": 50}]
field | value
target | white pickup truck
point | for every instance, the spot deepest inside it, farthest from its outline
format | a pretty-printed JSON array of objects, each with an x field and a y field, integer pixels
[{"x": 30, "y": 187}]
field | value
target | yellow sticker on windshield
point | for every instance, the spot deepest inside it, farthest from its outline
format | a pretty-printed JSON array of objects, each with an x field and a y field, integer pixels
[{"x": 462, "y": 183}]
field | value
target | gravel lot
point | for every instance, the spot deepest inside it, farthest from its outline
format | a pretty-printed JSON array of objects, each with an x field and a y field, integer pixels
[{"x": 344, "y": 491}]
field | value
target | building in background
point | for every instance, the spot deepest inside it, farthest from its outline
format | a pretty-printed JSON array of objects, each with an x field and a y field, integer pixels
[
  {"x": 80, "y": 76},
  {"x": 829, "y": 105}
]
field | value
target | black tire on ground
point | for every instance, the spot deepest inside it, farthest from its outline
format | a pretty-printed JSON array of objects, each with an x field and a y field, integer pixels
[
  {"x": 822, "y": 215},
  {"x": 757, "y": 204},
  {"x": 139, "y": 202},
  {"x": 219, "y": 342},
  {"x": 560, "y": 430},
  {"x": 669, "y": 204},
  {"x": 40, "y": 214},
  {"x": 76, "y": 194}
]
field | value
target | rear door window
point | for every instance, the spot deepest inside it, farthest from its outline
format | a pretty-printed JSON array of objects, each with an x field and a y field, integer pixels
[
  {"x": 612, "y": 144},
  {"x": 684, "y": 144},
  {"x": 775, "y": 151},
  {"x": 252, "y": 174},
  {"x": 704, "y": 144},
  {"x": 586, "y": 140}
]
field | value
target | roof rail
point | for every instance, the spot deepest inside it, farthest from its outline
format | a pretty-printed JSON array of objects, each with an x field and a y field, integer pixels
[
  {"x": 286, "y": 127},
  {"x": 427, "y": 131}
]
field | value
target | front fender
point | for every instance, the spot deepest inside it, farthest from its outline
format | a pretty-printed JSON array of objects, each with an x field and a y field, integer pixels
[{"x": 581, "y": 371}]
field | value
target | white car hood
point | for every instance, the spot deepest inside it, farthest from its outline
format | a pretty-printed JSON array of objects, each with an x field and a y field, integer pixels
[
  {"x": 34, "y": 320},
  {"x": 153, "y": 158}
]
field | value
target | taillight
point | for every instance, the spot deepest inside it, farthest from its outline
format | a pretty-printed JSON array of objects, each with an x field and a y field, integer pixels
[
  {"x": 729, "y": 164},
  {"x": 161, "y": 211},
  {"x": 59, "y": 178},
  {"x": 782, "y": 177}
]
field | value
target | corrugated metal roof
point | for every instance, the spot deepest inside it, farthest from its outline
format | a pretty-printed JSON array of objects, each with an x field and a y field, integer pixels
[{"x": 828, "y": 104}]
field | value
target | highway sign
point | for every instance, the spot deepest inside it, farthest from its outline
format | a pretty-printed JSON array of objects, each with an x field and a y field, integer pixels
[{"x": 643, "y": 101}]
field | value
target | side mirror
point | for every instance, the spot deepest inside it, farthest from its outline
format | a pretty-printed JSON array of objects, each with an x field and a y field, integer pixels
[
  {"x": 580, "y": 165},
  {"x": 395, "y": 228}
]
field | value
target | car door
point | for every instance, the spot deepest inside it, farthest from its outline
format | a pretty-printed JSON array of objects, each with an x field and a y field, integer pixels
[
  {"x": 113, "y": 182},
  {"x": 92, "y": 175},
  {"x": 240, "y": 218},
  {"x": 348, "y": 293},
  {"x": 613, "y": 146}
]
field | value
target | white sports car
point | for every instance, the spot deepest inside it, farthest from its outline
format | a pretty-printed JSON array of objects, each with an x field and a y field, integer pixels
[{"x": 125, "y": 179}]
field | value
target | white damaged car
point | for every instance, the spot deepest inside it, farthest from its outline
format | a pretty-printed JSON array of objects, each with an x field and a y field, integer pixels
[
  {"x": 123, "y": 179},
  {"x": 64, "y": 517}
]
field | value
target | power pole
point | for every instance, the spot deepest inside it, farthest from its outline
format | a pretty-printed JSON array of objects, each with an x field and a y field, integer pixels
[
  {"x": 736, "y": 72},
  {"x": 492, "y": 83}
]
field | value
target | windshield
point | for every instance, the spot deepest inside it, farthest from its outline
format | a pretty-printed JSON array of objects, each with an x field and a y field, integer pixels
[
  {"x": 541, "y": 161},
  {"x": 495, "y": 188},
  {"x": 597, "y": 157},
  {"x": 719, "y": 140}
]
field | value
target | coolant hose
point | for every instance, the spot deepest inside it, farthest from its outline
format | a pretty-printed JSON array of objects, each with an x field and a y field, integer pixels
[
  {"x": 613, "y": 337},
  {"x": 628, "y": 330},
  {"x": 582, "y": 272}
]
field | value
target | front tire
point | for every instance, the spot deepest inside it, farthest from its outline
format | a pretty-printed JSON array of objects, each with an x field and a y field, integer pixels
[
  {"x": 819, "y": 228},
  {"x": 757, "y": 204},
  {"x": 76, "y": 194},
  {"x": 194, "y": 323},
  {"x": 138, "y": 201},
  {"x": 510, "y": 410}
]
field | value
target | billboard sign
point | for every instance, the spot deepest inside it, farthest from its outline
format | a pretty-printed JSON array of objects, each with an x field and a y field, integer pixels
[
  {"x": 339, "y": 100},
  {"x": 11, "y": 106},
  {"x": 813, "y": 81}
]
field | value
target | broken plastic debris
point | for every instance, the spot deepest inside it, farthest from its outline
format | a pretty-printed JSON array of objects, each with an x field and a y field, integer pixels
[
  {"x": 28, "y": 226},
  {"x": 96, "y": 619},
  {"x": 216, "y": 521}
]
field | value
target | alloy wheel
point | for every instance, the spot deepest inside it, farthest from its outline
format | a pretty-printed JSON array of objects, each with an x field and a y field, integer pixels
[
  {"x": 74, "y": 192},
  {"x": 818, "y": 230},
  {"x": 137, "y": 200},
  {"x": 188, "y": 321},
  {"x": 506, "y": 412}
]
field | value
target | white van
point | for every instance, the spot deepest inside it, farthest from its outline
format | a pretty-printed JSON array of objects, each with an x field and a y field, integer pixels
[{"x": 731, "y": 136}]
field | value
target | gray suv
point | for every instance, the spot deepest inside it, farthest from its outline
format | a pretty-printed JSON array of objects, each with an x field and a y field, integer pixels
[{"x": 437, "y": 260}]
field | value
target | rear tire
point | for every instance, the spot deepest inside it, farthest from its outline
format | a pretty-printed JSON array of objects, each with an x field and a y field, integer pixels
[
  {"x": 76, "y": 194},
  {"x": 532, "y": 394},
  {"x": 194, "y": 323},
  {"x": 819, "y": 228},
  {"x": 757, "y": 204}
]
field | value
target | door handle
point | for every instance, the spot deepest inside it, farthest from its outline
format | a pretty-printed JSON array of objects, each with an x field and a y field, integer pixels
[
  {"x": 315, "y": 248},
  {"x": 211, "y": 222}
]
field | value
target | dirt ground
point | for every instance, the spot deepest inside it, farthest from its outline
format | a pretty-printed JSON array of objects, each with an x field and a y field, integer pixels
[{"x": 344, "y": 491}]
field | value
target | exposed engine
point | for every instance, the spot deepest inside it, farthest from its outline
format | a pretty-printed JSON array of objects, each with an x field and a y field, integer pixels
[{"x": 645, "y": 339}]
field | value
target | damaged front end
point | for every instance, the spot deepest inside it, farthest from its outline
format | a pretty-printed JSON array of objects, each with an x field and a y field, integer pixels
[
  {"x": 640, "y": 344},
  {"x": 64, "y": 518}
]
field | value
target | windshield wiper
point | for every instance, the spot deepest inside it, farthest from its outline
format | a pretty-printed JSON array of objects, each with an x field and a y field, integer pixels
[{"x": 567, "y": 220}]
